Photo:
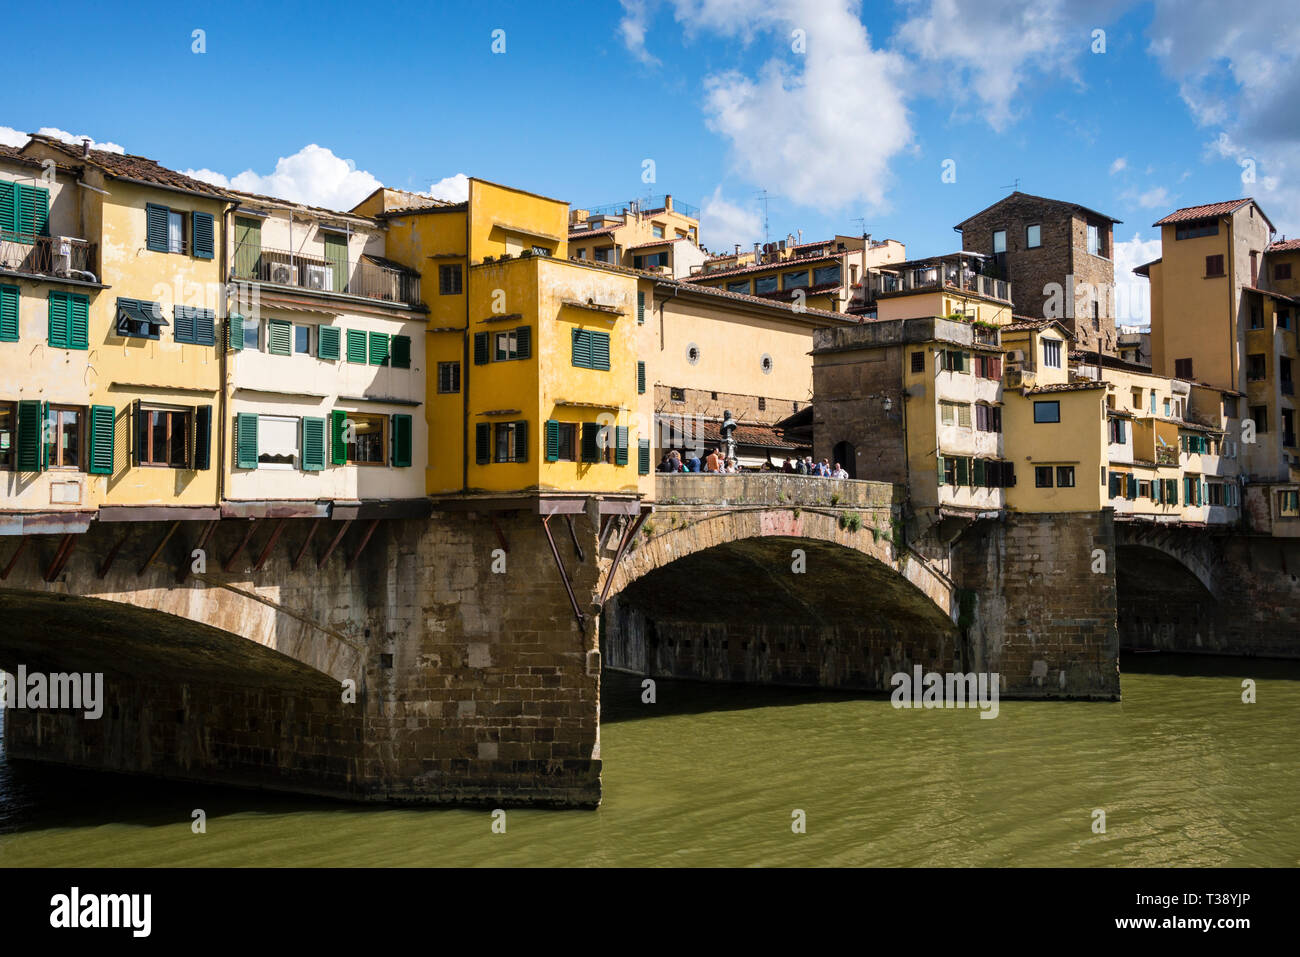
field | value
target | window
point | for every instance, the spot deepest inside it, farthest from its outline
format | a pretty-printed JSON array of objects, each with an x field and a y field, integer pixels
[
  {"x": 988, "y": 418},
  {"x": 327, "y": 342},
  {"x": 652, "y": 261},
  {"x": 163, "y": 437},
  {"x": 370, "y": 441},
  {"x": 1229, "y": 406},
  {"x": 8, "y": 434},
  {"x": 510, "y": 440},
  {"x": 1255, "y": 366},
  {"x": 1118, "y": 431},
  {"x": 1213, "y": 266},
  {"x": 194, "y": 325},
  {"x": 448, "y": 377},
  {"x": 1042, "y": 476},
  {"x": 566, "y": 439},
  {"x": 1288, "y": 502},
  {"x": 279, "y": 337},
  {"x": 277, "y": 442},
  {"x": 918, "y": 361},
  {"x": 604, "y": 254},
  {"x": 1192, "y": 489},
  {"x": 794, "y": 280},
  {"x": 1182, "y": 370},
  {"x": 302, "y": 340},
  {"x": 175, "y": 232},
  {"x": 379, "y": 348},
  {"x": 1033, "y": 236},
  {"x": 657, "y": 232},
  {"x": 69, "y": 315},
  {"x": 24, "y": 211},
  {"x": 1137, "y": 398},
  {"x": 1284, "y": 317},
  {"x": 1259, "y": 413},
  {"x": 988, "y": 367},
  {"x": 252, "y": 334},
  {"x": 63, "y": 436},
  {"x": 1197, "y": 229},
  {"x": 677, "y": 395},
  {"x": 825, "y": 275},
  {"x": 762, "y": 403},
  {"x": 1047, "y": 411},
  {"x": 8, "y": 313},
  {"x": 999, "y": 241},
  {"x": 1214, "y": 494},
  {"x": 1065, "y": 476},
  {"x": 739, "y": 286},
  {"x": 1094, "y": 240},
  {"x": 590, "y": 349},
  {"x": 1281, "y": 270},
  {"x": 956, "y": 361},
  {"x": 449, "y": 280},
  {"x": 1052, "y": 353},
  {"x": 581, "y": 254},
  {"x": 1256, "y": 316}
]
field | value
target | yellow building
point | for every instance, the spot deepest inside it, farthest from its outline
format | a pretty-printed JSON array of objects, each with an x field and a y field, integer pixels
[
  {"x": 655, "y": 235},
  {"x": 138, "y": 434}
]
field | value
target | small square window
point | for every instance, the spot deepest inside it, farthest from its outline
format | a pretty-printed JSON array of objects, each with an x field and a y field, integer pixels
[
  {"x": 1033, "y": 236},
  {"x": 1047, "y": 411},
  {"x": 448, "y": 377},
  {"x": 999, "y": 241},
  {"x": 1065, "y": 476},
  {"x": 449, "y": 280},
  {"x": 1042, "y": 476},
  {"x": 918, "y": 361}
]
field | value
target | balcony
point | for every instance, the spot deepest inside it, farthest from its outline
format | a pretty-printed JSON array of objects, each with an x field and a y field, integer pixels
[
  {"x": 58, "y": 256},
  {"x": 931, "y": 277},
  {"x": 366, "y": 279}
]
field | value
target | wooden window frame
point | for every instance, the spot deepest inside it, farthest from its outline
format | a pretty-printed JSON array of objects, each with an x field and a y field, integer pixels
[
  {"x": 145, "y": 430},
  {"x": 82, "y": 412},
  {"x": 351, "y": 447}
]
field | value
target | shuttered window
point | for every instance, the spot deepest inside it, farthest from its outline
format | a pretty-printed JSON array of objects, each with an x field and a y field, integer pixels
[
  {"x": 552, "y": 440},
  {"x": 379, "y": 348},
  {"x": 69, "y": 320},
  {"x": 201, "y": 229},
  {"x": 640, "y": 377},
  {"x": 8, "y": 313},
  {"x": 590, "y": 442},
  {"x": 591, "y": 349},
  {"x": 620, "y": 445},
  {"x": 480, "y": 348},
  {"x": 313, "y": 444},
  {"x": 194, "y": 325},
  {"x": 24, "y": 211},
  {"x": 156, "y": 228},
  {"x": 101, "y": 439},
  {"x": 482, "y": 443},
  {"x": 338, "y": 437},
  {"x": 402, "y": 440},
  {"x": 643, "y": 457},
  {"x": 327, "y": 342},
  {"x": 203, "y": 438},
  {"x": 640, "y": 307},
  {"x": 31, "y": 417},
  {"x": 401, "y": 353},
  {"x": 235, "y": 332},
  {"x": 356, "y": 346},
  {"x": 245, "y": 441},
  {"x": 279, "y": 337}
]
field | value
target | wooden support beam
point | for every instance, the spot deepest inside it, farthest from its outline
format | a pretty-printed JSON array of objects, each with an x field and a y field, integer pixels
[
  {"x": 270, "y": 544},
  {"x": 112, "y": 554},
  {"x": 564, "y": 575},
  {"x": 208, "y": 529},
  {"x": 334, "y": 543},
  {"x": 293, "y": 565},
  {"x": 22, "y": 547},
  {"x": 574, "y": 535},
  {"x": 229, "y": 563},
  {"x": 158, "y": 551},
  {"x": 370, "y": 530},
  {"x": 66, "y": 545}
]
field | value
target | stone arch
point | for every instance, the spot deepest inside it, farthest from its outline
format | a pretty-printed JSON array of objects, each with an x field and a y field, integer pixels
[{"x": 1139, "y": 544}]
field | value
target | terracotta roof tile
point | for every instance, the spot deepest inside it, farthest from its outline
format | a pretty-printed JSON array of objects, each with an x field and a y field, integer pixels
[
  {"x": 783, "y": 264},
  {"x": 1203, "y": 212},
  {"x": 126, "y": 166},
  {"x": 1284, "y": 245},
  {"x": 1077, "y": 386}
]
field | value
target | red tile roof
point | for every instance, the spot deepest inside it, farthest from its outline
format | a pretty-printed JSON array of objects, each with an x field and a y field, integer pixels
[
  {"x": 1203, "y": 212},
  {"x": 587, "y": 233},
  {"x": 781, "y": 264},
  {"x": 1284, "y": 245},
  {"x": 1075, "y": 386},
  {"x": 126, "y": 166},
  {"x": 660, "y": 242}
]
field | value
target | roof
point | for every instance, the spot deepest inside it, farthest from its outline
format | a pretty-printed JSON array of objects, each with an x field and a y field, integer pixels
[
  {"x": 1044, "y": 199},
  {"x": 1145, "y": 268},
  {"x": 1077, "y": 385},
  {"x": 764, "y": 436},
  {"x": 416, "y": 210},
  {"x": 586, "y": 233},
  {"x": 129, "y": 167},
  {"x": 259, "y": 197},
  {"x": 693, "y": 287},
  {"x": 1269, "y": 292},
  {"x": 779, "y": 264},
  {"x": 659, "y": 242},
  {"x": 1209, "y": 211},
  {"x": 1283, "y": 245},
  {"x": 1024, "y": 323}
]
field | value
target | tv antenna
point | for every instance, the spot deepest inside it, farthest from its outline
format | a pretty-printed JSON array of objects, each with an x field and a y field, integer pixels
[
  {"x": 1013, "y": 186},
  {"x": 763, "y": 194}
]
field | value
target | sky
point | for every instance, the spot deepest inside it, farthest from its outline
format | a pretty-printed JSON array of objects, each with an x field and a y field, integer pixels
[{"x": 775, "y": 117}]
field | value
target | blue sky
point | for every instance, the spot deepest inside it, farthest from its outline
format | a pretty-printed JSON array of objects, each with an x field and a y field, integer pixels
[{"x": 857, "y": 124}]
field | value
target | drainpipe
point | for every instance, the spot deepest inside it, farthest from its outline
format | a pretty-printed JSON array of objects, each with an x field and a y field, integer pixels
[
  {"x": 222, "y": 353},
  {"x": 465, "y": 356},
  {"x": 1232, "y": 305}
]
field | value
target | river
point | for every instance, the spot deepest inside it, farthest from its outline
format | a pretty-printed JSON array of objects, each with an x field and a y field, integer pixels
[{"x": 1186, "y": 773}]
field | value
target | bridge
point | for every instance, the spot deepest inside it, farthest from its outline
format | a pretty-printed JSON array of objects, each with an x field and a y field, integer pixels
[{"x": 456, "y": 657}]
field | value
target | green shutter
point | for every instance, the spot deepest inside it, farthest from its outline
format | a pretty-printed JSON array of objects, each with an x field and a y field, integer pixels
[
  {"x": 248, "y": 248},
  {"x": 313, "y": 444},
  {"x": 590, "y": 446},
  {"x": 640, "y": 378},
  {"x": 327, "y": 342},
  {"x": 643, "y": 457},
  {"x": 401, "y": 354},
  {"x": 33, "y": 204},
  {"x": 205, "y": 330},
  {"x": 31, "y": 421},
  {"x": 279, "y": 337},
  {"x": 59, "y": 320},
  {"x": 8, "y": 208},
  {"x": 357, "y": 346},
  {"x": 581, "y": 349},
  {"x": 552, "y": 440},
  {"x": 620, "y": 445},
  {"x": 401, "y": 440},
  {"x": 203, "y": 438},
  {"x": 963, "y": 471},
  {"x": 156, "y": 228},
  {"x": 640, "y": 307},
  {"x": 336, "y": 254},
  {"x": 941, "y": 477},
  {"x": 183, "y": 323},
  {"x": 480, "y": 348},
  {"x": 521, "y": 441},
  {"x": 600, "y": 351},
  {"x": 338, "y": 436},
  {"x": 246, "y": 441},
  {"x": 235, "y": 332},
  {"x": 78, "y": 322},
  {"x": 482, "y": 443},
  {"x": 379, "y": 348},
  {"x": 101, "y": 440},
  {"x": 524, "y": 342},
  {"x": 203, "y": 235},
  {"x": 978, "y": 480},
  {"x": 137, "y": 430},
  {"x": 8, "y": 313}
]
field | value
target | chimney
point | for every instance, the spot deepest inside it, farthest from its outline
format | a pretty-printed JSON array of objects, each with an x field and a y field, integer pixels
[
  {"x": 756, "y": 256},
  {"x": 85, "y": 146},
  {"x": 668, "y": 202},
  {"x": 737, "y": 251}
]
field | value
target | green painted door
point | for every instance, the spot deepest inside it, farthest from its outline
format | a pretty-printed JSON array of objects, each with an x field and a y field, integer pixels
[
  {"x": 248, "y": 248},
  {"x": 336, "y": 252}
]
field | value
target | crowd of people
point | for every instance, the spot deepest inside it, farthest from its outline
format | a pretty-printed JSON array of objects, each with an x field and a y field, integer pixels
[{"x": 716, "y": 462}]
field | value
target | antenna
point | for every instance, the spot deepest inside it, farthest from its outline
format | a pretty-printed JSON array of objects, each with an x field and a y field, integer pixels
[
  {"x": 1013, "y": 186},
  {"x": 763, "y": 194}
]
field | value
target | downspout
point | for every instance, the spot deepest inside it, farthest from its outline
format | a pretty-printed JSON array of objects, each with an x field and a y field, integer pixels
[
  {"x": 223, "y": 352},
  {"x": 465, "y": 356},
  {"x": 1232, "y": 305}
]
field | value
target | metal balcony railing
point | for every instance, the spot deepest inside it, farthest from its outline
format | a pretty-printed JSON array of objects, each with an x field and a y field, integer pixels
[
  {"x": 48, "y": 255},
  {"x": 938, "y": 276},
  {"x": 316, "y": 273}
]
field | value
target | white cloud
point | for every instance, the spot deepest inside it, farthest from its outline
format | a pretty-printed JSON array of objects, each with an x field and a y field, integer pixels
[
  {"x": 633, "y": 27},
  {"x": 723, "y": 224},
  {"x": 1155, "y": 198},
  {"x": 1120, "y": 164},
  {"x": 454, "y": 189},
  {"x": 313, "y": 175},
  {"x": 1133, "y": 293},
  {"x": 12, "y": 137}
]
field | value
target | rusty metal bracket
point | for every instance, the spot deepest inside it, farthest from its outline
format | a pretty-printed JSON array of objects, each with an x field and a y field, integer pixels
[
  {"x": 564, "y": 575},
  {"x": 501, "y": 536},
  {"x": 198, "y": 546},
  {"x": 311, "y": 532},
  {"x": 365, "y": 539},
  {"x": 22, "y": 547},
  {"x": 607, "y": 523},
  {"x": 66, "y": 545},
  {"x": 112, "y": 554},
  {"x": 624, "y": 540},
  {"x": 574, "y": 535},
  {"x": 334, "y": 543},
  {"x": 158, "y": 551},
  {"x": 270, "y": 544},
  {"x": 229, "y": 563}
]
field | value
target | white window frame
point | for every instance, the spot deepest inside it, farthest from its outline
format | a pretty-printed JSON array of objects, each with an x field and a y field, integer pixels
[{"x": 290, "y": 422}]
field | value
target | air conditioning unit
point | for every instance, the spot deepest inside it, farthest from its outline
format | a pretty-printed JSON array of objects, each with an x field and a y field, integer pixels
[
  {"x": 1015, "y": 378},
  {"x": 61, "y": 255},
  {"x": 320, "y": 277},
  {"x": 1016, "y": 355},
  {"x": 283, "y": 274}
]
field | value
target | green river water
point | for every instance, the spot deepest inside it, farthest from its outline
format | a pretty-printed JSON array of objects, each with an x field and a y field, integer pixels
[{"x": 1187, "y": 774}]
